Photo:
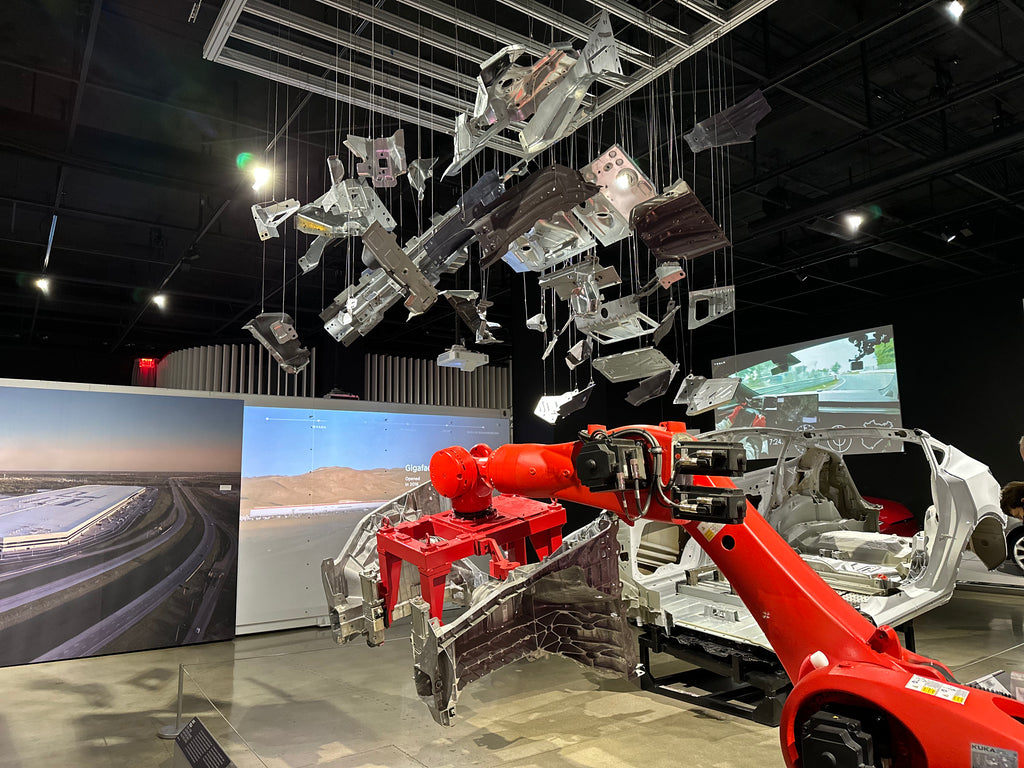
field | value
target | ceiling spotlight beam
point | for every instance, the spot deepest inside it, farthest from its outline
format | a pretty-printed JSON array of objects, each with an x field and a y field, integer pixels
[
  {"x": 289, "y": 76},
  {"x": 344, "y": 39},
  {"x": 349, "y": 69},
  {"x": 543, "y": 12},
  {"x": 379, "y": 18}
]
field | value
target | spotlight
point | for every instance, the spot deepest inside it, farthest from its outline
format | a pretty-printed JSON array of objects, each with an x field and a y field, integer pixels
[
  {"x": 949, "y": 237},
  {"x": 260, "y": 176},
  {"x": 853, "y": 221},
  {"x": 955, "y": 9},
  {"x": 43, "y": 284},
  {"x": 160, "y": 300}
]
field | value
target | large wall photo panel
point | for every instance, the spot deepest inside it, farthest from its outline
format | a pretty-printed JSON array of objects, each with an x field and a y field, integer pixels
[
  {"x": 118, "y": 521},
  {"x": 309, "y": 475}
]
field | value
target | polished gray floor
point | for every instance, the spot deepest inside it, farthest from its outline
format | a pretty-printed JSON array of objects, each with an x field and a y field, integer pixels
[{"x": 295, "y": 699}]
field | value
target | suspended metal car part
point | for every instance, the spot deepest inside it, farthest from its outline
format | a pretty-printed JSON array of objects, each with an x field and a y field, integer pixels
[
  {"x": 616, "y": 321},
  {"x": 383, "y": 159},
  {"x": 267, "y": 217},
  {"x": 538, "y": 196},
  {"x": 466, "y": 307},
  {"x": 348, "y": 207},
  {"x": 566, "y": 280},
  {"x": 537, "y": 322},
  {"x": 506, "y": 92},
  {"x": 400, "y": 268},
  {"x": 311, "y": 258},
  {"x": 579, "y": 353},
  {"x": 655, "y": 386},
  {"x": 439, "y": 250},
  {"x": 570, "y": 605},
  {"x": 636, "y": 364},
  {"x": 603, "y": 220},
  {"x": 701, "y": 394},
  {"x": 276, "y": 332},
  {"x": 674, "y": 225},
  {"x": 419, "y": 172},
  {"x": 554, "y": 340},
  {"x": 666, "y": 323},
  {"x": 710, "y": 304},
  {"x": 466, "y": 360},
  {"x": 733, "y": 125},
  {"x": 623, "y": 184},
  {"x": 669, "y": 273},
  {"x": 599, "y": 59},
  {"x": 551, "y": 408},
  {"x": 546, "y": 95},
  {"x": 550, "y": 242}
]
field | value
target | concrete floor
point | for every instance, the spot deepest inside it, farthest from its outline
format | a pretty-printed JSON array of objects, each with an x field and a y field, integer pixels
[{"x": 295, "y": 699}]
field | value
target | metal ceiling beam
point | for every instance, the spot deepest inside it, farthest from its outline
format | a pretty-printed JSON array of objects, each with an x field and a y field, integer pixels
[
  {"x": 906, "y": 176},
  {"x": 373, "y": 77},
  {"x": 629, "y": 12},
  {"x": 359, "y": 44},
  {"x": 290, "y": 76},
  {"x": 705, "y": 9},
  {"x": 544, "y": 13},
  {"x": 405, "y": 28},
  {"x": 222, "y": 25},
  {"x": 741, "y": 12}
]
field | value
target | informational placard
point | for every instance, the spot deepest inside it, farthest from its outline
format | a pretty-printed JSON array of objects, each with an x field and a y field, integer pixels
[{"x": 198, "y": 747}]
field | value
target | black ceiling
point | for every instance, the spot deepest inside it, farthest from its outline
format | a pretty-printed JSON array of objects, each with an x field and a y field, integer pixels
[{"x": 113, "y": 126}]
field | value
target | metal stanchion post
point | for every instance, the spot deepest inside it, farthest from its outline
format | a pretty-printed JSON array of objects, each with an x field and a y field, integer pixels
[{"x": 172, "y": 731}]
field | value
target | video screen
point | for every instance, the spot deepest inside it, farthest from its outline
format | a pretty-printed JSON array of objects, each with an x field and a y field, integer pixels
[
  {"x": 847, "y": 380},
  {"x": 309, "y": 476},
  {"x": 118, "y": 521}
]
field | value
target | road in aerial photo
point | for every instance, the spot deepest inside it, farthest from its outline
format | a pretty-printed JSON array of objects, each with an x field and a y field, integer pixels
[{"x": 118, "y": 522}]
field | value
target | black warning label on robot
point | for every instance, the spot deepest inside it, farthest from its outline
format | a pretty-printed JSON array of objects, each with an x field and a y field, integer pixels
[{"x": 984, "y": 756}]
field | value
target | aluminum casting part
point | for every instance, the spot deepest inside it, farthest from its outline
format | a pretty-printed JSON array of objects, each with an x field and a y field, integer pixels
[
  {"x": 717, "y": 301},
  {"x": 538, "y": 196},
  {"x": 622, "y": 182},
  {"x": 347, "y": 208},
  {"x": 419, "y": 172},
  {"x": 617, "y": 320},
  {"x": 655, "y": 386},
  {"x": 603, "y": 220},
  {"x": 635, "y": 364},
  {"x": 665, "y": 327},
  {"x": 439, "y": 250},
  {"x": 537, "y": 322},
  {"x": 466, "y": 360},
  {"x": 599, "y": 59},
  {"x": 569, "y": 605},
  {"x": 276, "y": 332},
  {"x": 733, "y": 125},
  {"x": 568, "y": 279},
  {"x": 400, "y": 268},
  {"x": 310, "y": 260},
  {"x": 383, "y": 159},
  {"x": 550, "y": 242},
  {"x": 579, "y": 353},
  {"x": 701, "y": 394},
  {"x": 551, "y": 408},
  {"x": 674, "y": 225},
  {"x": 467, "y": 308},
  {"x": 268, "y": 217}
]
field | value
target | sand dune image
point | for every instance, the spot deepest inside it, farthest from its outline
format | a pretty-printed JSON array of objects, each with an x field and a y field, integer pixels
[{"x": 326, "y": 485}]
